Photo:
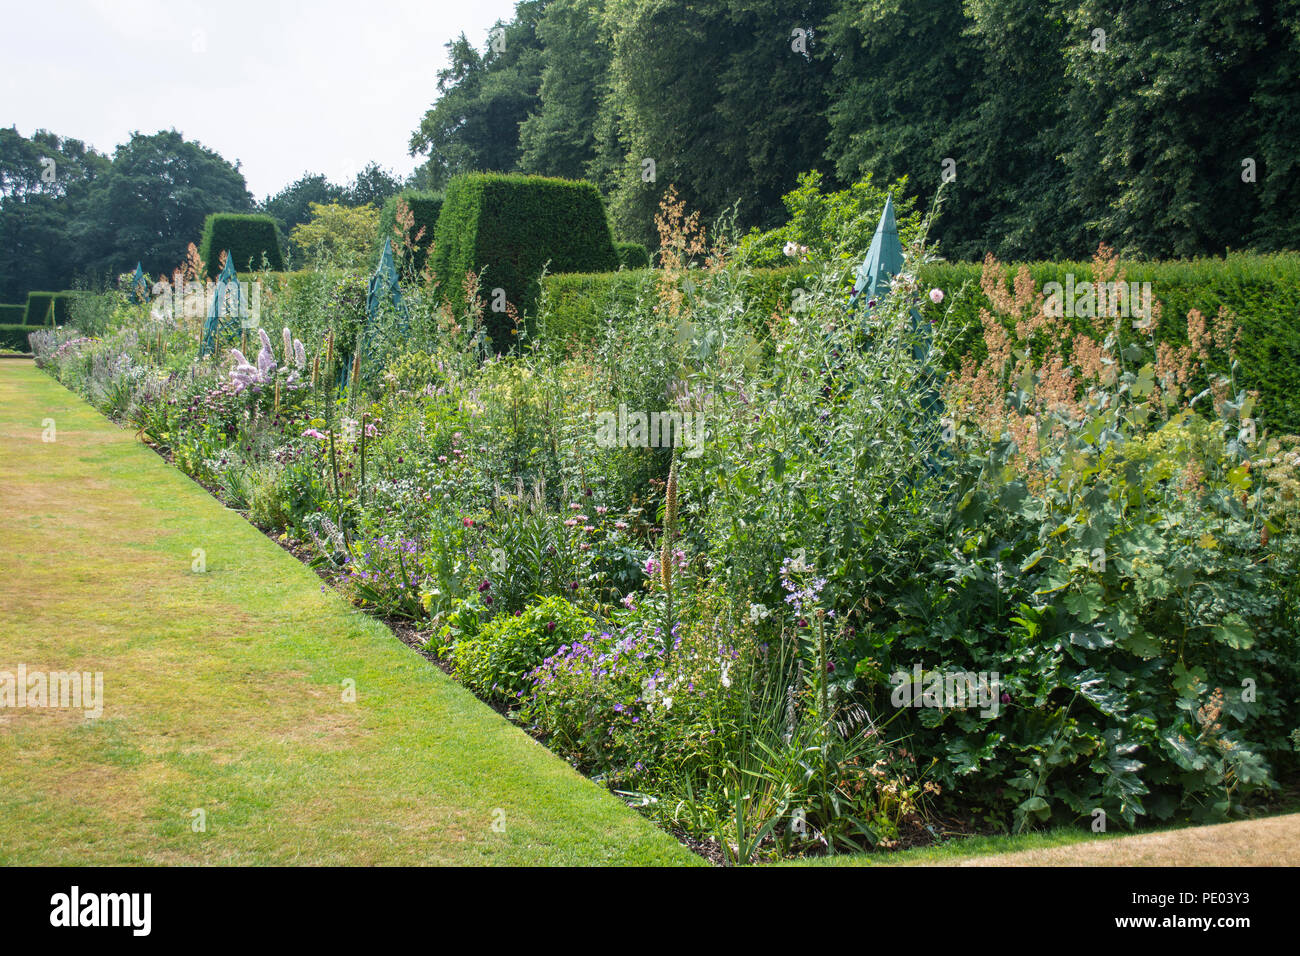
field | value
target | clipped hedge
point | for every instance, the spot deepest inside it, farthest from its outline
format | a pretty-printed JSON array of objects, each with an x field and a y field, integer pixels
[
  {"x": 14, "y": 337},
  {"x": 513, "y": 226},
  {"x": 1262, "y": 291},
  {"x": 632, "y": 255},
  {"x": 37, "y": 311},
  {"x": 13, "y": 314},
  {"x": 245, "y": 236},
  {"x": 578, "y": 304},
  {"x": 425, "y": 208}
]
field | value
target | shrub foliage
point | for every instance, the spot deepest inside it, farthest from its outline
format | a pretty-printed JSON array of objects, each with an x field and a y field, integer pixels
[
  {"x": 411, "y": 229},
  {"x": 246, "y": 237},
  {"x": 37, "y": 311},
  {"x": 507, "y": 229}
]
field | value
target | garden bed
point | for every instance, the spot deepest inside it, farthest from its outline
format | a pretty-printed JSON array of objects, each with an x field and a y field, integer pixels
[{"x": 840, "y": 600}]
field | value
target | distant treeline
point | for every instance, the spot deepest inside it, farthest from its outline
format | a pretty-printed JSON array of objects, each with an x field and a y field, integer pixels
[
  {"x": 1164, "y": 128},
  {"x": 70, "y": 215}
]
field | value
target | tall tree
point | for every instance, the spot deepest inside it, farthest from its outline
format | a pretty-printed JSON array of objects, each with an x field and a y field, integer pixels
[
  {"x": 1011, "y": 194},
  {"x": 1275, "y": 132},
  {"x": 726, "y": 99},
  {"x": 1163, "y": 119},
  {"x": 291, "y": 206},
  {"x": 43, "y": 183},
  {"x": 372, "y": 186},
  {"x": 483, "y": 99},
  {"x": 904, "y": 79},
  {"x": 559, "y": 138},
  {"x": 151, "y": 203}
]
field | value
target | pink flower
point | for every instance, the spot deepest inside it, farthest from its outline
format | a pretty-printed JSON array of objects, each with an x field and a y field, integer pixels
[
  {"x": 312, "y": 433},
  {"x": 571, "y": 522},
  {"x": 936, "y": 296}
]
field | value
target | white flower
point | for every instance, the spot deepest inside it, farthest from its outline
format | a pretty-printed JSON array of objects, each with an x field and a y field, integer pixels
[
  {"x": 790, "y": 249},
  {"x": 757, "y": 612},
  {"x": 936, "y": 296},
  {"x": 726, "y": 674}
]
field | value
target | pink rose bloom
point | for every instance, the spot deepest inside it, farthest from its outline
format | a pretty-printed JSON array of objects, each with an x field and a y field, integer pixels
[{"x": 936, "y": 296}]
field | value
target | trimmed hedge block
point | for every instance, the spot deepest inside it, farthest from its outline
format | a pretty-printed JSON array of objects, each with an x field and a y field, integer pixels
[
  {"x": 13, "y": 314},
  {"x": 37, "y": 311},
  {"x": 425, "y": 208},
  {"x": 632, "y": 255},
  {"x": 577, "y": 305},
  {"x": 246, "y": 236},
  {"x": 14, "y": 337},
  {"x": 1262, "y": 291},
  {"x": 513, "y": 226}
]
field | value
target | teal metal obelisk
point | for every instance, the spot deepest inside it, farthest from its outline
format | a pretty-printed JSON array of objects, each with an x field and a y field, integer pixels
[{"x": 222, "y": 318}]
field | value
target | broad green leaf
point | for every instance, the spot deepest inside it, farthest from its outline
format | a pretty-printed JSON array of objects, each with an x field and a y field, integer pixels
[{"x": 1235, "y": 632}]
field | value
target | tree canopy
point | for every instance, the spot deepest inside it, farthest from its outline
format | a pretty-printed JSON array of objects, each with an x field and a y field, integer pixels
[{"x": 1167, "y": 129}]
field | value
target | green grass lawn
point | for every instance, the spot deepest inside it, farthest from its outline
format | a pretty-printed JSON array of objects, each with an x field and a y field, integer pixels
[{"x": 224, "y": 690}]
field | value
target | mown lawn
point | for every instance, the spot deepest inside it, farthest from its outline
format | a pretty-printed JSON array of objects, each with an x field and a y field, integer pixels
[{"x": 224, "y": 690}]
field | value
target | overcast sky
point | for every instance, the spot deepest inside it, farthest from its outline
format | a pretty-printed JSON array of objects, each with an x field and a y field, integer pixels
[{"x": 285, "y": 87}]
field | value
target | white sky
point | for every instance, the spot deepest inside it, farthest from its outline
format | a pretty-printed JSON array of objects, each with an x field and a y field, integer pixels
[{"x": 283, "y": 86}]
